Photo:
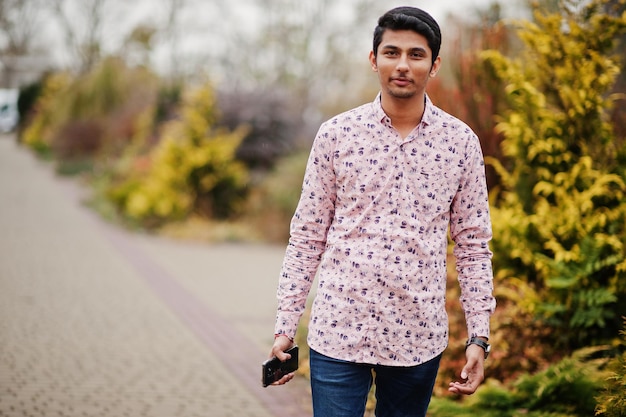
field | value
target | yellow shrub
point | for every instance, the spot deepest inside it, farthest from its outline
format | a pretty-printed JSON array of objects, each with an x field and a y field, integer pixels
[
  {"x": 38, "y": 133},
  {"x": 559, "y": 217},
  {"x": 192, "y": 169}
]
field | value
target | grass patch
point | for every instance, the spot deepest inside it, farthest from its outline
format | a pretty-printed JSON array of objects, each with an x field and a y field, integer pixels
[{"x": 200, "y": 229}]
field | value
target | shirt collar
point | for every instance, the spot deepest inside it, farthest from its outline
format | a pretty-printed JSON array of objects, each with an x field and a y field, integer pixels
[{"x": 431, "y": 112}]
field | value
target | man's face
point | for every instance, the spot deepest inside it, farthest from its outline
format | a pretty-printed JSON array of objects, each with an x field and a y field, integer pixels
[{"x": 404, "y": 64}]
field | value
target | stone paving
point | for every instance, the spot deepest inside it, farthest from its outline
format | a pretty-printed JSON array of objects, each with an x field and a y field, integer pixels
[{"x": 95, "y": 321}]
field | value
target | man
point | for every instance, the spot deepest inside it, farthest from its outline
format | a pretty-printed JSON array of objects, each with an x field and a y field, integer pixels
[{"x": 383, "y": 185}]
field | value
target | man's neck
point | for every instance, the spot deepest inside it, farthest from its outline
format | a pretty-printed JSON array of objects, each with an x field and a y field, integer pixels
[{"x": 405, "y": 114}]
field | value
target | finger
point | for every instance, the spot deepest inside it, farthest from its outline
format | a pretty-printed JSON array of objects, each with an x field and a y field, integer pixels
[
  {"x": 284, "y": 379},
  {"x": 466, "y": 388},
  {"x": 278, "y": 350},
  {"x": 281, "y": 344}
]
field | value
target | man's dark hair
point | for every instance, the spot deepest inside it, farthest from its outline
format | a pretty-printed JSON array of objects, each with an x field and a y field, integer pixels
[{"x": 409, "y": 18}]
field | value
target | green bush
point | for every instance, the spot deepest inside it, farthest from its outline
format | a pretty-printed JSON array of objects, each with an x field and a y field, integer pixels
[
  {"x": 559, "y": 218},
  {"x": 192, "y": 170},
  {"x": 38, "y": 133},
  {"x": 273, "y": 201},
  {"x": 29, "y": 95},
  {"x": 94, "y": 115},
  {"x": 565, "y": 389},
  {"x": 612, "y": 399},
  {"x": 568, "y": 387}
]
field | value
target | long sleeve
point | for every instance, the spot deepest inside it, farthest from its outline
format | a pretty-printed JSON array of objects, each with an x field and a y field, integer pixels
[
  {"x": 470, "y": 229},
  {"x": 308, "y": 231}
]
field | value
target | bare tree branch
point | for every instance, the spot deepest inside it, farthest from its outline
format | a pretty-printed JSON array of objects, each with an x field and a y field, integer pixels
[
  {"x": 19, "y": 20},
  {"x": 83, "y": 24}
]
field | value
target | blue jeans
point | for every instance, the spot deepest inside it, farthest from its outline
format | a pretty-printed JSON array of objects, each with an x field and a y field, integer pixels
[{"x": 340, "y": 388}]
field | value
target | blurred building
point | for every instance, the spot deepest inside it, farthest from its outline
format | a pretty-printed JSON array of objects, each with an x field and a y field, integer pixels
[{"x": 19, "y": 70}]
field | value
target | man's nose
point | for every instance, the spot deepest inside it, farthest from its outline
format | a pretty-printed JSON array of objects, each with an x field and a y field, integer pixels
[{"x": 403, "y": 63}]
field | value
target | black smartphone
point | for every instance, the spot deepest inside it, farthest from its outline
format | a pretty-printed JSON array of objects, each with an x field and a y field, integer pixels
[{"x": 274, "y": 369}]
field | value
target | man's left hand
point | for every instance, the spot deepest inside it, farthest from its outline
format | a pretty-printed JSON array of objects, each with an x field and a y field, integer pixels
[{"x": 473, "y": 373}]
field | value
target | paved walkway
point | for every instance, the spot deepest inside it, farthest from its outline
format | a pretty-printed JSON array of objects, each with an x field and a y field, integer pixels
[{"x": 95, "y": 321}]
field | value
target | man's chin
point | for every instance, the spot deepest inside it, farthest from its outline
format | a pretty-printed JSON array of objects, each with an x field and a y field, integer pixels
[{"x": 402, "y": 94}]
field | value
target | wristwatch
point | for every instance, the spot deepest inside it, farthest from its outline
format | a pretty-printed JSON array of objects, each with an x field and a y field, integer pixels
[{"x": 480, "y": 342}]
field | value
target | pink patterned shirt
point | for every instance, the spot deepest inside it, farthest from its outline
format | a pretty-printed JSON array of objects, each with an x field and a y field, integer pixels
[{"x": 372, "y": 222}]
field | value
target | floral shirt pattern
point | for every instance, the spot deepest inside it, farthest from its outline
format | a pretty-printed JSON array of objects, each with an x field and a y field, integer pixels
[{"x": 372, "y": 224}]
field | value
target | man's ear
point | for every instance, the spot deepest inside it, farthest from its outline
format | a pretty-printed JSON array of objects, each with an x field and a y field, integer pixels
[
  {"x": 373, "y": 61},
  {"x": 435, "y": 68}
]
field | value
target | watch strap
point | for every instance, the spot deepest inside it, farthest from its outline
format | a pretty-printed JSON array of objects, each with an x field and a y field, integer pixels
[{"x": 480, "y": 342}]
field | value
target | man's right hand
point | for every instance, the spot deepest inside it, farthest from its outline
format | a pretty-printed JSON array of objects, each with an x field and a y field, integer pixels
[{"x": 281, "y": 344}]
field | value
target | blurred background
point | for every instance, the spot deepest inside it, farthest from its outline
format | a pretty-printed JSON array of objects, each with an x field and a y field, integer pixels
[{"x": 193, "y": 119}]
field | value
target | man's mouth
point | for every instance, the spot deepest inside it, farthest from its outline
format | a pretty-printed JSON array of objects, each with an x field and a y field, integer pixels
[{"x": 401, "y": 81}]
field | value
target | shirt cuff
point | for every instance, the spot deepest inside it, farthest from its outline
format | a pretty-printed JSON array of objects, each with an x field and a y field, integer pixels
[{"x": 478, "y": 325}]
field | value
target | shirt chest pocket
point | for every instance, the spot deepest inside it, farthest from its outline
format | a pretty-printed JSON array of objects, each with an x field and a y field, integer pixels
[{"x": 432, "y": 190}]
